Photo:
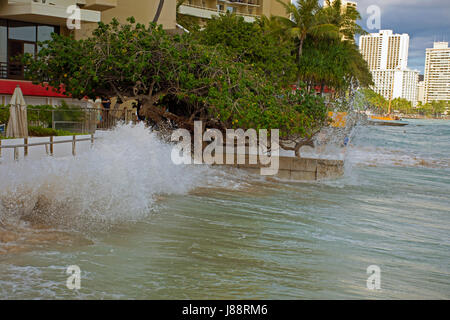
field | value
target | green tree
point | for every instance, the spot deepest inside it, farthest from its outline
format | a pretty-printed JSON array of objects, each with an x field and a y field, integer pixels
[
  {"x": 426, "y": 109},
  {"x": 344, "y": 19},
  {"x": 374, "y": 101},
  {"x": 438, "y": 107},
  {"x": 401, "y": 105},
  {"x": 337, "y": 64},
  {"x": 327, "y": 55},
  {"x": 305, "y": 19},
  {"x": 253, "y": 44},
  {"x": 177, "y": 80},
  {"x": 272, "y": 25}
]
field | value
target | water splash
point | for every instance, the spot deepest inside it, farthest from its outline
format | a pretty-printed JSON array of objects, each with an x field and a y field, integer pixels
[{"x": 119, "y": 179}]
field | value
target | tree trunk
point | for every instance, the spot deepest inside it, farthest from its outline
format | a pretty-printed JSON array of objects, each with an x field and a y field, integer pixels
[
  {"x": 300, "y": 49},
  {"x": 300, "y": 144},
  {"x": 297, "y": 146}
]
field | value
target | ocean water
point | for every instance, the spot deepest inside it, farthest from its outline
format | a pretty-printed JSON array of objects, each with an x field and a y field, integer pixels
[{"x": 140, "y": 227}]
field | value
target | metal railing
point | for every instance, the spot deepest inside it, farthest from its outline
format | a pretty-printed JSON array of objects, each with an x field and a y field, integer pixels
[
  {"x": 216, "y": 10},
  {"x": 48, "y": 145},
  {"x": 76, "y": 120},
  {"x": 13, "y": 70},
  {"x": 243, "y": 2},
  {"x": 3, "y": 70}
]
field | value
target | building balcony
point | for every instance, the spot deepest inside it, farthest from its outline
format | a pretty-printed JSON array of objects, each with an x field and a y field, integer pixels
[
  {"x": 254, "y": 3},
  {"x": 100, "y": 5},
  {"x": 46, "y": 11},
  {"x": 208, "y": 13}
]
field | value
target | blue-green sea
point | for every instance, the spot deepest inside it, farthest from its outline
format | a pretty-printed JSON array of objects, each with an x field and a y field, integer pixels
[{"x": 140, "y": 228}]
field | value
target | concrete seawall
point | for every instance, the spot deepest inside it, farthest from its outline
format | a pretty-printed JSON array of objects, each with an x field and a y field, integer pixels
[{"x": 291, "y": 168}]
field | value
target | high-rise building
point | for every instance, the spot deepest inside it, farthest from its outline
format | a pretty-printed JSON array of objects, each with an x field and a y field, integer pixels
[
  {"x": 437, "y": 73},
  {"x": 249, "y": 9},
  {"x": 421, "y": 92},
  {"x": 385, "y": 50},
  {"x": 396, "y": 83},
  {"x": 386, "y": 54}
]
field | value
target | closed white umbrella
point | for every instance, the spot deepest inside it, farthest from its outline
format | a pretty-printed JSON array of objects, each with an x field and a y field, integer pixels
[{"x": 18, "y": 122}]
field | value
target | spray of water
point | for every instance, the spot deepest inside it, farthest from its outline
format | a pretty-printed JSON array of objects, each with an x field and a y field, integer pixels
[{"x": 119, "y": 179}]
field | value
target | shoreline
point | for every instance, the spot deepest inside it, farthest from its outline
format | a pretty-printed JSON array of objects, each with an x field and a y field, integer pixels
[{"x": 425, "y": 117}]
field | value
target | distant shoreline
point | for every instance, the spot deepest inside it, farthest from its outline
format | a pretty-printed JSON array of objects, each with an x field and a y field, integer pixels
[{"x": 411, "y": 116}]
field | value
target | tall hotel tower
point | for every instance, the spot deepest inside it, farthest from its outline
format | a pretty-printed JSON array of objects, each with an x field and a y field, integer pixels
[
  {"x": 437, "y": 73},
  {"x": 386, "y": 54}
]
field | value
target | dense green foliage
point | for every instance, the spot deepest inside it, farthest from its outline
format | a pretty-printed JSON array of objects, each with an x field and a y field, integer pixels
[
  {"x": 4, "y": 114},
  {"x": 253, "y": 44},
  {"x": 306, "y": 19},
  {"x": 176, "y": 78},
  {"x": 371, "y": 100},
  {"x": 377, "y": 103},
  {"x": 47, "y": 132},
  {"x": 435, "y": 108},
  {"x": 315, "y": 46},
  {"x": 228, "y": 73},
  {"x": 336, "y": 64},
  {"x": 401, "y": 105},
  {"x": 326, "y": 52}
]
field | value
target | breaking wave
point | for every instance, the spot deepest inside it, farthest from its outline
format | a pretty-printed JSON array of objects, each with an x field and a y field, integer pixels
[{"x": 118, "y": 179}]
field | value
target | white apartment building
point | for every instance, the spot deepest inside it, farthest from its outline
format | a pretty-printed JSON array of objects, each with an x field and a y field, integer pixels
[
  {"x": 402, "y": 83},
  {"x": 387, "y": 56},
  {"x": 421, "y": 92},
  {"x": 437, "y": 73},
  {"x": 385, "y": 50}
]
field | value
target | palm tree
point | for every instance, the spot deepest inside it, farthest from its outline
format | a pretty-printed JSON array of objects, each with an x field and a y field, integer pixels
[
  {"x": 306, "y": 19},
  {"x": 345, "y": 20},
  {"x": 272, "y": 26},
  {"x": 158, "y": 11}
]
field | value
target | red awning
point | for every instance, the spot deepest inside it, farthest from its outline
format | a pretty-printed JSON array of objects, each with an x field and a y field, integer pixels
[
  {"x": 317, "y": 88},
  {"x": 29, "y": 89},
  {"x": 325, "y": 89}
]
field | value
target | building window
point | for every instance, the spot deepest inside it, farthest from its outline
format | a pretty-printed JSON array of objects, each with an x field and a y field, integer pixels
[
  {"x": 3, "y": 49},
  {"x": 21, "y": 31},
  {"x": 16, "y": 39},
  {"x": 44, "y": 33}
]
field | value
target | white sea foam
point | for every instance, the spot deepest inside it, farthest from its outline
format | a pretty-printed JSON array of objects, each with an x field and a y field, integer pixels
[{"x": 118, "y": 179}]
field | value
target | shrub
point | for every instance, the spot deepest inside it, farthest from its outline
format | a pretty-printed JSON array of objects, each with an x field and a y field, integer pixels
[
  {"x": 46, "y": 132},
  {"x": 4, "y": 114},
  {"x": 41, "y": 115}
]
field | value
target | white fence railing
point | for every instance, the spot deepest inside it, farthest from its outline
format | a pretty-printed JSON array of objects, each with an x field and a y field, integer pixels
[{"x": 49, "y": 146}]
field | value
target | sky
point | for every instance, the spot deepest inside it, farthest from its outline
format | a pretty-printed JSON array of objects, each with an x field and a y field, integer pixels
[{"x": 425, "y": 21}]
